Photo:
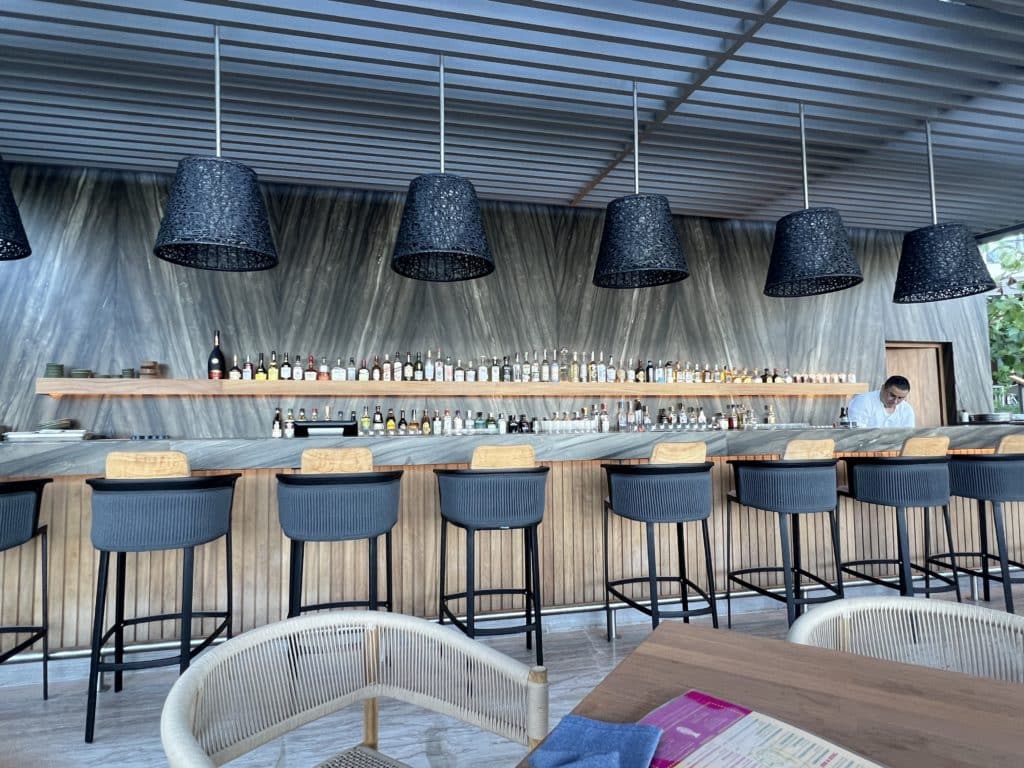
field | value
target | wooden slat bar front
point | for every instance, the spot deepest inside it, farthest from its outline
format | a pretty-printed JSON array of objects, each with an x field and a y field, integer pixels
[{"x": 570, "y": 550}]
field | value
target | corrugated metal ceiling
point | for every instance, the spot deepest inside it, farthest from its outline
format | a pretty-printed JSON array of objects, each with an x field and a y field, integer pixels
[{"x": 539, "y": 97}]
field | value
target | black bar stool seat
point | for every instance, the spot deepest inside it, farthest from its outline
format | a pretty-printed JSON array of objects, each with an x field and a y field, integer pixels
[
  {"x": 489, "y": 500},
  {"x": 902, "y": 482},
  {"x": 20, "y": 501},
  {"x": 339, "y": 507},
  {"x": 790, "y": 488},
  {"x": 148, "y": 515},
  {"x": 655, "y": 494},
  {"x": 996, "y": 479}
]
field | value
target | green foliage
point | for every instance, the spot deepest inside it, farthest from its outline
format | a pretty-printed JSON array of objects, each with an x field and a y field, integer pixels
[{"x": 1006, "y": 315}]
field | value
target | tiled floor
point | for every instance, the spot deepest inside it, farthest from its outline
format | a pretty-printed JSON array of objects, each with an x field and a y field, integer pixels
[{"x": 38, "y": 733}]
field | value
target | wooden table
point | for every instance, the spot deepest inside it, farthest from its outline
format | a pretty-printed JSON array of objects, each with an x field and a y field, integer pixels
[{"x": 895, "y": 714}]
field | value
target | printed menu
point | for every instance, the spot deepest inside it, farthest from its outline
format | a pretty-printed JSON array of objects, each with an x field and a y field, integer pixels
[{"x": 700, "y": 731}]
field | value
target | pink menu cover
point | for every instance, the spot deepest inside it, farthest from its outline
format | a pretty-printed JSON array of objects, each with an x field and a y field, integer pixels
[{"x": 688, "y": 722}]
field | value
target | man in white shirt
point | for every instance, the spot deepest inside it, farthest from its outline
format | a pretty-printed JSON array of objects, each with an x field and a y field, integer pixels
[{"x": 885, "y": 407}]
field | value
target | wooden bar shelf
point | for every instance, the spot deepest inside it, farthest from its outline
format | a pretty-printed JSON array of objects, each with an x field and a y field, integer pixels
[{"x": 66, "y": 387}]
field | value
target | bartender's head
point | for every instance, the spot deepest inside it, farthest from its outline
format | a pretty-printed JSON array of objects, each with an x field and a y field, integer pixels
[{"x": 894, "y": 391}]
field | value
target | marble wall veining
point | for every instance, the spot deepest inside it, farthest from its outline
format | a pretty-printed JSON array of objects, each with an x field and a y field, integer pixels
[{"x": 92, "y": 295}]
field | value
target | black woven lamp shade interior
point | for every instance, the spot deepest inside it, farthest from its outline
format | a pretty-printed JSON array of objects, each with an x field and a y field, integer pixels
[
  {"x": 940, "y": 262},
  {"x": 441, "y": 237},
  {"x": 216, "y": 218},
  {"x": 811, "y": 255},
  {"x": 13, "y": 240},
  {"x": 639, "y": 246}
]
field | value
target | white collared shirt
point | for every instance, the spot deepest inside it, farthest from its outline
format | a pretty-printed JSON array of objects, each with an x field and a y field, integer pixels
[{"x": 866, "y": 410}]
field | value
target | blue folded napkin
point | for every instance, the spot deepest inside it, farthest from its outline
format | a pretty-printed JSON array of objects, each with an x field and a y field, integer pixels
[{"x": 579, "y": 742}]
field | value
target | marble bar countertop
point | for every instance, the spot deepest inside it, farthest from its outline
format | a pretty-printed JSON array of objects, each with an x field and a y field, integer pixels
[{"x": 88, "y": 456}]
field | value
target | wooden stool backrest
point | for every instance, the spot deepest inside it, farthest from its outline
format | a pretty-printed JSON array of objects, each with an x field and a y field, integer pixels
[
  {"x": 131, "y": 465},
  {"x": 1011, "y": 444},
  {"x": 925, "y": 446},
  {"x": 336, "y": 461},
  {"x": 503, "y": 457},
  {"x": 679, "y": 453},
  {"x": 810, "y": 449}
]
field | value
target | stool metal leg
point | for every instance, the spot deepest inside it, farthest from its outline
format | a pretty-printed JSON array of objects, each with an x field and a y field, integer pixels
[
  {"x": 372, "y": 567},
  {"x": 119, "y": 575},
  {"x": 652, "y": 575},
  {"x": 187, "y": 574},
  {"x": 952, "y": 551},
  {"x": 798, "y": 591},
  {"x": 1004, "y": 566},
  {"x": 728, "y": 562},
  {"x": 528, "y": 583},
  {"x": 470, "y": 582},
  {"x": 903, "y": 545},
  {"x": 229, "y": 583},
  {"x": 836, "y": 549},
  {"x": 983, "y": 539},
  {"x": 535, "y": 565},
  {"x": 787, "y": 568},
  {"x": 710, "y": 571},
  {"x": 298, "y": 549},
  {"x": 45, "y": 578},
  {"x": 442, "y": 575},
  {"x": 608, "y": 616},
  {"x": 681, "y": 549},
  {"x": 388, "y": 561},
  {"x": 97, "y": 635},
  {"x": 926, "y": 514}
]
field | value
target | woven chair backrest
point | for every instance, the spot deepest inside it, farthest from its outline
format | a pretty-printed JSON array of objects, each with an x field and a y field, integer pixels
[
  {"x": 333, "y": 461},
  {"x": 679, "y": 453},
  {"x": 810, "y": 449},
  {"x": 925, "y": 446},
  {"x": 138, "y": 465},
  {"x": 503, "y": 457}
]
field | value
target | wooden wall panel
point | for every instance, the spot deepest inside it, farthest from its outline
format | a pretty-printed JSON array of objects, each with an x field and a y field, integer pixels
[{"x": 572, "y": 569}]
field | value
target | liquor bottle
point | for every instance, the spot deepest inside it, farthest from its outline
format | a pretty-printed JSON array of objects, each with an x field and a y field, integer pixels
[
  {"x": 323, "y": 373},
  {"x": 235, "y": 373},
  {"x": 297, "y": 372},
  {"x": 716, "y": 375},
  {"x": 535, "y": 374},
  {"x": 526, "y": 427},
  {"x": 449, "y": 369},
  {"x": 378, "y": 420},
  {"x": 260, "y": 374},
  {"x": 289, "y": 424},
  {"x": 503, "y": 424},
  {"x": 448, "y": 424},
  {"x": 506, "y": 370},
  {"x": 659, "y": 373},
  {"x": 338, "y": 371},
  {"x": 302, "y": 414},
  {"x": 765, "y": 378},
  {"x": 351, "y": 372},
  {"x": 440, "y": 367},
  {"x": 545, "y": 368},
  {"x": 428, "y": 369},
  {"x": 364, "y": 372},
  {"x": 517, "y": 369},
  {"x": 640, "y": 375},
  {"x": 604, "y": 420},
  {"x": 649, "y": 372},
  {"x": 247, "y": 369},
  {"x": 437, "y": 426},
  {"x": 425, "y": 424},
  {"x": 574, "y": 369},
  {"x": 286, "y": 369},
  {"x": 592, "y": 372},
  {"x": 556, "y": 369},
  {"x": 495, "y": 371},
  {"x": 479, "y": 423},
  {"x": 277, "y": 426},
  {"x": 600, "y": 369},
  {"x": 844, "y": 417},
  {"x": 376, "y": 373},
  {"x": 365, "y": 421},
  {"x": 787, "y": 377},
  {"x": 776, "y": 376},
  {"x": 396, "y": 367},
  {"x": 215, "y": 362},
  {"x": 315, "y": 414},
  {"x": 403, "y": 425},
  {"x": 610, "y": 372},
  {"x": 459, "y": 374},
  {"x": 273, "y": 372},
  {"x": 525, "y": 372},
  {"x": 386, "y": 370},
  {"x": 408, "y": 370},
  {"x": 311, "y": 369},
  {"x": 327, "y": 412},
  {"x": 457, "y": 423},
  {"x": 417, "y": 369},
  {"x": 390, "y": 423}
]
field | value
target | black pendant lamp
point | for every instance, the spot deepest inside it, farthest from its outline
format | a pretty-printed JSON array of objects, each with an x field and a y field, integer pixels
[
  {"x": 639, "y": 246},
  {"x": 441, "y": 237},
  {"x": 811, "y": 253},
  {"x": 13, "y": 240},
  {"x": 215, "y": 216},
  {"x": 941, "y": 261}
]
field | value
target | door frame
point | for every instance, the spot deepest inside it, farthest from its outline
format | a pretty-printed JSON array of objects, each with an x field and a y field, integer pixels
[{"x": 947, "y": 380}]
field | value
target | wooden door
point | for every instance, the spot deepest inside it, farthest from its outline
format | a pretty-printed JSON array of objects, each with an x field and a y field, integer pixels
[{"x": 922, "y": 364}]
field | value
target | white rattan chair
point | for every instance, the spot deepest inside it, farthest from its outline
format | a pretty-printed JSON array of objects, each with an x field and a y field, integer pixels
[
  {"x": 271, "y": 680},
  {"x": 932, "y": 633}
]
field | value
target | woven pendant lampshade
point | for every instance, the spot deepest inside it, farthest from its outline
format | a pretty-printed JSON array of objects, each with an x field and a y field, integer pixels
[
  {"x": 640, "y": 247},
  {"x": 215, "y": 216},
  {"x": 811, "y": 253},
  {"x": 441, "y": 237},
  {"x": 941, "y": 261},
  {"x": 13, "y": 240}
]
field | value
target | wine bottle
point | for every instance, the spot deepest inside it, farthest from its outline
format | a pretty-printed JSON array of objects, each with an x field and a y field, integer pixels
[
  {"x": 286, "y": 369},
  {"x": 215, "y": 368},
  {"x": 261, "y": 371}
]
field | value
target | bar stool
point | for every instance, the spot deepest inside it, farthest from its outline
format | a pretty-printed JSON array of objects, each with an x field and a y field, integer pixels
[
  {"x": 674, "y": 488},
  {"x": 802, "y": 482},
  {"x": 338, "y": 497},
  {"x": 503, "y": 490},
  {"x": 148, "y": 503},
  {"x": 19, "y": 524},
  {"x": 995, "y": 478},
  {"x": 918, "y": 477}
]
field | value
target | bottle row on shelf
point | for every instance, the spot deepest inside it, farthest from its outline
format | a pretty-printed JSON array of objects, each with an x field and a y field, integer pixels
[
  {"x": 629, "y": 416},
  {"x": 516, "y": 368}
]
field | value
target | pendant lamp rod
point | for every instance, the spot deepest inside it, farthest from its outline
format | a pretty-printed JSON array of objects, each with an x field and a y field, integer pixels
[
  {"x": 803, "y": 156},
  {"x": 636, "y": 146},
  {"x": 216, "y": 83},
  {"x": 441, "y": 70},
  {"x": 931, "y": 170}
]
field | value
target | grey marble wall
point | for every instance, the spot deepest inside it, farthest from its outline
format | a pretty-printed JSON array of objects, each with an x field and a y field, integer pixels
[{"x": 92, "y": 295}]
